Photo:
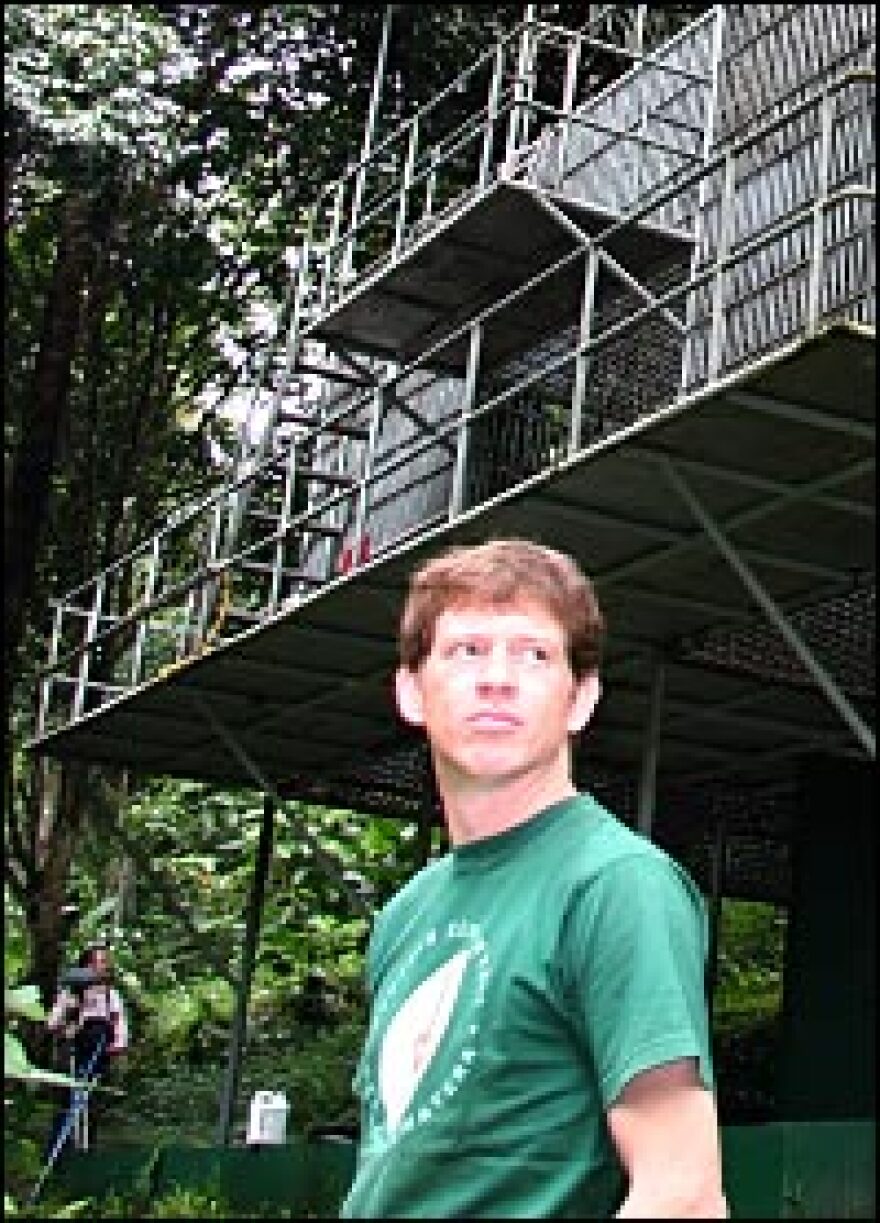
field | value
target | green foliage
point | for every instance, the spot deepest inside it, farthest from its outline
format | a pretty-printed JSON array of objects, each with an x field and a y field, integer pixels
[
  {"x": 746, "y": 1019},
  {"x": 749, "y": 962},
  {"x": 24, "y": 1001}
]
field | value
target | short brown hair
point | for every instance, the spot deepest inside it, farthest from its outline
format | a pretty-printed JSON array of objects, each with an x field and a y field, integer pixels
[{"x": 496, "y": 573}]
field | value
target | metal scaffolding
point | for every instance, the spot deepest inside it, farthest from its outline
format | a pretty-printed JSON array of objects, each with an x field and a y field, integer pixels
[{"x": 608, "y": 289}]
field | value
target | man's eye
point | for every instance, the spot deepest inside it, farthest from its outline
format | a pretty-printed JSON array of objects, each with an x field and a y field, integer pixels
[
  {"x": 465, "y": 649},
  {"x": 536, "y": 653}
]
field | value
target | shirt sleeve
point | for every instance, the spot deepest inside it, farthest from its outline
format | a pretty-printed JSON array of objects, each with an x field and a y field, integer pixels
[
  {"x": 634, "y": 954},
  {"x": 57, "y": 1017}
]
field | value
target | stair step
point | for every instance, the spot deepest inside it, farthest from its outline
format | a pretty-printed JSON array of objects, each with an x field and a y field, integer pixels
[
  {"x": 359, "y": 432},
  {"x": 312, "y": 474},
  {"x": 316, "y": 528},
  {"x": 332, "y": 375},
  {"x": 243, "y": 614},
  {"x": 264, "y": 515},
  {"x": 294, "y": 574}
]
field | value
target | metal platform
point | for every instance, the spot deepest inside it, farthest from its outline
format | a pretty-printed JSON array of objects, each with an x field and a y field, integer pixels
[
  {"x": 778, "y": 457},
  {"x": 493, "y": 242}
]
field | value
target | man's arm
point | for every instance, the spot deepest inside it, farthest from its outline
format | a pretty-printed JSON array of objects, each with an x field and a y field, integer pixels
[
  {"x": 665, "y": 1130},
  {"x": 119, "y": 1019}
]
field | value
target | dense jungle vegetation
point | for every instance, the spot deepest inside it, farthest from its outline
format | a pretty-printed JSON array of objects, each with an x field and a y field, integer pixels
[{"x": 158, "y": 163}]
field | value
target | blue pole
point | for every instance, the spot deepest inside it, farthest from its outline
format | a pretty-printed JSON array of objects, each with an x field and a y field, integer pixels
[{"x": 79, "y": 1098}]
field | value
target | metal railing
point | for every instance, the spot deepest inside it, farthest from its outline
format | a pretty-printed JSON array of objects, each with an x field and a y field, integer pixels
[
  {"x": 499, "y": 118},
  {"x": 149, "y": 611}
]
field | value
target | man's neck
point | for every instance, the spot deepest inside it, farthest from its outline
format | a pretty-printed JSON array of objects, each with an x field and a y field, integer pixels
[{"x": 475, "y": 810}]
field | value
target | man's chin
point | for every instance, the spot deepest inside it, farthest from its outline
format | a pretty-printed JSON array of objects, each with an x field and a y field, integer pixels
[{"x": 489, "y": 768}]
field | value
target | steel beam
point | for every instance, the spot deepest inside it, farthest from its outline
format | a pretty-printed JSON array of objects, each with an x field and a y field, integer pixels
[
  {"x": 763, "y": 484},
  {"x": 803, "y": 415},
  {"x": 825, "y": 682},
  {"x": 793, "y": 494}
]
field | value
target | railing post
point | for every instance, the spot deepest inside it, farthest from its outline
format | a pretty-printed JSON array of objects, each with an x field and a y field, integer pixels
[
  {"x": 725, "y": 234},
  {"x": 639, "y": 153},
  {"x": 369, "y": 132},
  {"x": 405, "y": 185},
  {"x": 569, "y": 93},
  {"x": 141, "y": 630},
  {"x": 641, "y": 14},
  {"x": 332, "y": 253},
  {"x": 430, "y": 185},
  {"x": 826, "y": 125},
  {"x": 520, "y": 90},
  {"x": 286, "y": 506},
  {"x": 582, "y": 360},
  {"x": 204, "y": 596},
  {"x": 530, "y": 73},
  {"x": 492, "y": 116},
  {"x": 360, "y": 517},
  {"x": 52, "y": 662},
  {"x": 291, "y": 351},
  {"x": 91, "y": 631},
  {"x": 469, "y": 394},
  {"x": 699, "y": 225}
]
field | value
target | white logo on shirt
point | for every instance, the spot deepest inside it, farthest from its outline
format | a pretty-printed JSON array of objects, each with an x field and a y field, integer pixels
[
  {"x": 390, "y": 1077},
  {"x": 413, "y": 1035}
]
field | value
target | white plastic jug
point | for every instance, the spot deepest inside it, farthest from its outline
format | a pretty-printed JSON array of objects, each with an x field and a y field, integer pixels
[{"x": 267, "y": 1119}]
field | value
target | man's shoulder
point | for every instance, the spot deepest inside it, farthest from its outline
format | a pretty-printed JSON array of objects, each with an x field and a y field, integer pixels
[{"x": 612, "y": 847}]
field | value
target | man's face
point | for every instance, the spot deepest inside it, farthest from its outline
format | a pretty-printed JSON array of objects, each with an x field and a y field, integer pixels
[
  {"x": 100, "y": 961},
  {"x": 496, "y": 694}
]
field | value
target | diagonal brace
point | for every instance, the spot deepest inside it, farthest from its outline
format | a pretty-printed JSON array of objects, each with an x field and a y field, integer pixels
[{"x": 824, "y": 680}]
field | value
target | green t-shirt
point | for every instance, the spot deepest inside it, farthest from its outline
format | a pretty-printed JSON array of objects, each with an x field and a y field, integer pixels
[{"x": 517, "y": 985}]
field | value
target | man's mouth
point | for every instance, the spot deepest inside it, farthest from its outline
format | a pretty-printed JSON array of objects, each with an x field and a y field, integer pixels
[{"x": 494, "y": 718}]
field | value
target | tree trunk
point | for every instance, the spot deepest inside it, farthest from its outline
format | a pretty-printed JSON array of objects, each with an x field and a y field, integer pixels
[
  {"x": 58, "y": 821},
  {"x": 35, "y": 459}
]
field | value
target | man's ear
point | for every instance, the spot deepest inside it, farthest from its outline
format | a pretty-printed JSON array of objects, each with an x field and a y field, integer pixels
[
  {"x": 586, "y": 697},
  {"x": 408, "y": 692}
]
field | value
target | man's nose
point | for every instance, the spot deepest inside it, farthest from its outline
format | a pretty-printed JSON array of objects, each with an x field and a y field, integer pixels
[{"x": 497, "y": 670}]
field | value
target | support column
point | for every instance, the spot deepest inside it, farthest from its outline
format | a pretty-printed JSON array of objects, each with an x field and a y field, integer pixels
[
  {"x": 248, "y": 957},
  {"x": 462, "y": 441},
  {"x": 716, "y": 902},
  {"x": 583, "y": 359},
  {"x": 648, "y": 778},
  {"x": 426, "y": 815}
]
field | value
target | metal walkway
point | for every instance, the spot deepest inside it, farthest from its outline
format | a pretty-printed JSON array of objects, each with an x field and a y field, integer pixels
[{"x": 779, "y": 459}]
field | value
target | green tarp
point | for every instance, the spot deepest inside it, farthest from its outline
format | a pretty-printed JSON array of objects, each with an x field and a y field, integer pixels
[{"x": 786, "y": 1170}]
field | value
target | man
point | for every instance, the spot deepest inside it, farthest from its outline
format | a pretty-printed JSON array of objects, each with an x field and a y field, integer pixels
[
  {"x": 89, "y": 1014},
  {"x": 538, "y": 1044}
]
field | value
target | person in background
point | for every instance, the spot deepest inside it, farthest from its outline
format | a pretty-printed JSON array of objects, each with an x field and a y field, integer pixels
[
  {"x": 538, "y": 1043},
  {"x": 88, "y": 1014}
]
